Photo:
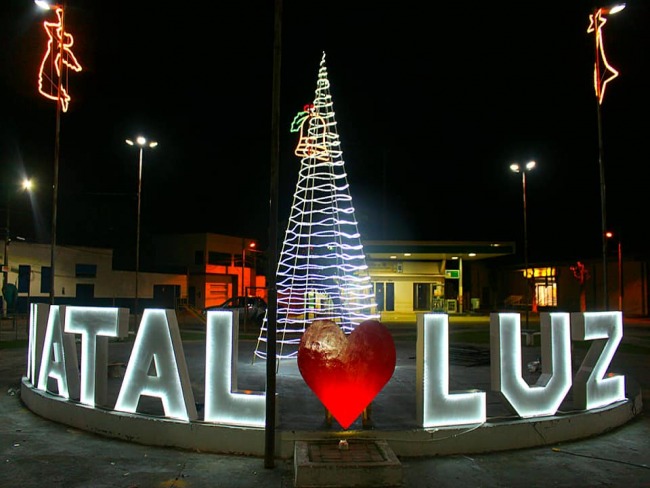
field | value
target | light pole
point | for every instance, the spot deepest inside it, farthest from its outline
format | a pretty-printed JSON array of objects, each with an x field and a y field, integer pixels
[
  {"x": 142, "y": 143},
  {"x": 55, "y": 178},
  {"x": 244, "y": 296},
  {"x": 251, "y": 247},
  {"x": 619, "y": 253},
  {"x": 64, "y": 41},
  {"x": 271, "y": 351},
  {"x": 603, "y": 74},
  {"x": 26, "y": 185},
  {"x": 517, "y": 168},
  {"x": 620, "y": 276}
]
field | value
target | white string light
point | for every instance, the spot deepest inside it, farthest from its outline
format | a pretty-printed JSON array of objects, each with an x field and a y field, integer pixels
[{"x": 322, "y": 272}]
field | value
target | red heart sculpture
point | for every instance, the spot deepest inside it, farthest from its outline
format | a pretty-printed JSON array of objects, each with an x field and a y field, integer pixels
[{"x": 346, "y": 373}]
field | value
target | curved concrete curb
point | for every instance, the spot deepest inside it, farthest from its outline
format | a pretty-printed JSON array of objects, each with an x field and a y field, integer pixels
[{"x": 207, "y": 437}]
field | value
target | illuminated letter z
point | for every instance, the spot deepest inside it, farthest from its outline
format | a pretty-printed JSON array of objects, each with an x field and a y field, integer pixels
[{"x": 591, "y": 389}]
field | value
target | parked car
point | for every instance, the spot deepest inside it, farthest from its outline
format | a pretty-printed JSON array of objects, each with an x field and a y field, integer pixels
[{"x": 251, "y": 309}]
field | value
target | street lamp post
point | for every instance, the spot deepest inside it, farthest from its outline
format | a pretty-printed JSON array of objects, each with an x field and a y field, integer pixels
[
  {"x": 271, "y": 351},
  {"x": 142, "y": 143},
  {"x": 57, "y": 146},
  {"x": 603, "y": 74},
  {"x": 620, "y": 276},
  {"x": 251, "y": 247},
  {"x": 610, "y": 235},
  {"x": 517, "y": 168},
  {"x": 26, "y": 185},
  {"x": 64, "y": 56},
  {"x": 57, "y": 137}
]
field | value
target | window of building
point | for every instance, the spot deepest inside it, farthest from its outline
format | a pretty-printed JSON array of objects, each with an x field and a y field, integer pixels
[
  {"x": 219, "y": 258},
  {"x": 24, "y": 278},
  {"x": 85, "y": 270},
  {"x": 385, "y": 296},
  {"x": 545, "y": 287},
  {"x": 422, "y": 296},
  {"x": 216, "y": 293},
  {"x": 85, "y": 291},
  {"x": 46, "y": 279}
]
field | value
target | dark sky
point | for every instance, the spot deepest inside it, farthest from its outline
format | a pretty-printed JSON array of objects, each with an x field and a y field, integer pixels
[{"x": 433, "y": 102}]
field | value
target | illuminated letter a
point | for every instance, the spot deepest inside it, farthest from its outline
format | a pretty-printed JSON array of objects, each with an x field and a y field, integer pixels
[{"x": 158, "y": 344}]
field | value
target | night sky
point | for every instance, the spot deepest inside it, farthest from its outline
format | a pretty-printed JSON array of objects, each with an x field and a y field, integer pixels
[{"x": 432, "y": 102}]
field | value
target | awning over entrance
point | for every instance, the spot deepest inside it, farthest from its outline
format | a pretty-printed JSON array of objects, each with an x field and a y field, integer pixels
[{"x": 436, "y": 250}]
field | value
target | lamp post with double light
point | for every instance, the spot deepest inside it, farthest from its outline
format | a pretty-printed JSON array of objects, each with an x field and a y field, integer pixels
[
  {"x": 603, "y": 74},
  {"x": 523, "y": 169},
  {"x": 141, "y": 143},
  {"x": 26, "y": 186}
]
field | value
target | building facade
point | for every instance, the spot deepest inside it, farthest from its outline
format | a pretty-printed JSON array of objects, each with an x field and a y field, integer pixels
[
  {"x": 217, "y": 266},
  {"x": 409, "y": 277},
  {"x": 84, "y": 276},
  {"x": 579, "y": 286}
]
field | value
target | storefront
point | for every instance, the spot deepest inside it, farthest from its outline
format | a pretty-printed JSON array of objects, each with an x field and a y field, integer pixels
[{"x": 411, "y": 277}]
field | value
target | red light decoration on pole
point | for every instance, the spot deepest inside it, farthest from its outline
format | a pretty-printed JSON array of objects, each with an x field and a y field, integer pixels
[
  {"x": 58, "y": 53},
  {"x": 581, "y": 273},
  {"x": 596, "y": 22},
  {"x": 56, "y": 34}
]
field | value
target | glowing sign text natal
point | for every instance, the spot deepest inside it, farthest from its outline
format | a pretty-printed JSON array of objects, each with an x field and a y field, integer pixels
[
  {"x": 223, "y": 403},
  {"x": 158, "y": 345},
  {"x": 59, "y": 363},
  {"x": 157, "y": 366}
]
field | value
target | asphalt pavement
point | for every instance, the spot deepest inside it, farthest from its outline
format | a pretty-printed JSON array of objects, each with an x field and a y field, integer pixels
[{"x": 37, "y": 452}]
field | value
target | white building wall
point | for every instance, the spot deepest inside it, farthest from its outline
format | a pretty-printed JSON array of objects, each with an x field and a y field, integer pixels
[
  {"x": 107, "y": 282},
  {"x": 38, "y": 256}
]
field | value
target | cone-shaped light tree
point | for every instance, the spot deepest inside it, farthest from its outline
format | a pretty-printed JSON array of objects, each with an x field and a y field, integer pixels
[{"x": 322, "y": 272}]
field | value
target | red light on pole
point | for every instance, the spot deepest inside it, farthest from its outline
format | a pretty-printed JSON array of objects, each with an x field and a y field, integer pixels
[{"x": 57, "y": 38}]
